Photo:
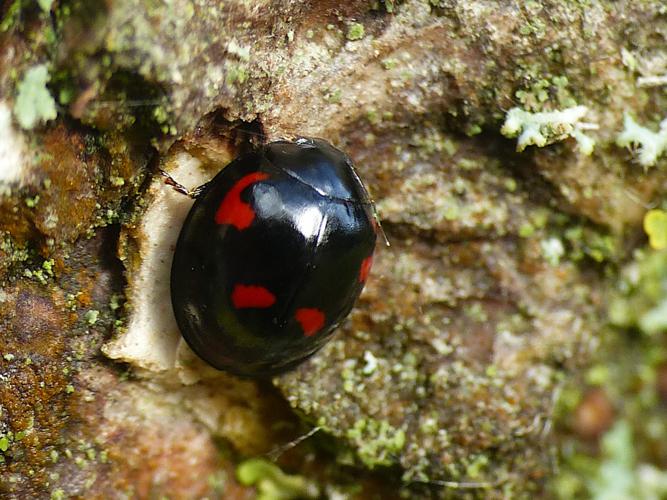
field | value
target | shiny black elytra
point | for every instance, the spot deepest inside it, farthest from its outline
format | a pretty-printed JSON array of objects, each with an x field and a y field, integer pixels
[{"x": 272, "y": 256}]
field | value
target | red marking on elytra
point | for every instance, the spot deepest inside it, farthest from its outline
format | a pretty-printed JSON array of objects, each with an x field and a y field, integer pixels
[
  {"x": 232, "y": 209},
  {"x": 311, "y": 320},
  {"x": 247, "y": 296},
  {"x": 365, "y": 268}
]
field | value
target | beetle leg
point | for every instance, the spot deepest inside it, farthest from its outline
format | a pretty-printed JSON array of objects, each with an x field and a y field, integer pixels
[
  {"x": 194, "y": 193},
  {"x": 377, "y": 220},
  {"x": 180, "y": 188},
  {"x": 274, "y": 454}
]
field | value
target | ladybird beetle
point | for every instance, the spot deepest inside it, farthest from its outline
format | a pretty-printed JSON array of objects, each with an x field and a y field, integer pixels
[{"x": 272, "y": 256}]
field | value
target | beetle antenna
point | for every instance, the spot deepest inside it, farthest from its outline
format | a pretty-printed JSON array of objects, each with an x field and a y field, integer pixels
[
  {"x": 375, "y": 212},
  {"x": 276, "y": 452},
  {"x": 377, "y": 220}
]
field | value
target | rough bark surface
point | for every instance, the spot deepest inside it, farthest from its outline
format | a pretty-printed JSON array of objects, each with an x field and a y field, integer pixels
[{"x": 492, "y": 293}]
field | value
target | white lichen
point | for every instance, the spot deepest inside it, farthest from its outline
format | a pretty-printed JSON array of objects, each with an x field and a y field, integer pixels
[
  {"x": 13, "y": 167},
  {"x": 541, "y": 129},
  {"x": 240, "y": 51},
  {"x": 650, "y": 144},
  {"x": 371, "y": 363},
  {"x": 45, "y": 5},
  {"x": 552, "y": 250},
  {"x": 652, "y": 81},
  {"x": 34, "y": 103}
]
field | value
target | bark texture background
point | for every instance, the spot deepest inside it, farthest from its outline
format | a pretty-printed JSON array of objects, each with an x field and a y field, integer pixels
[{"x": 493, "y": 293}]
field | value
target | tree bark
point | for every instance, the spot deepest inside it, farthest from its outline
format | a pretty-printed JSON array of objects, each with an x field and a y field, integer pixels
[{"x": 492, "y": 292}]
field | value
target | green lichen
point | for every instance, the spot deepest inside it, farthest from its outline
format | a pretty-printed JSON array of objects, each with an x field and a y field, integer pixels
[
  {"x": 642, "y": 294},
  {"x": 629, "y": 60},
  {"x": 45, "y": 5},
  {"x": 218, "y": 481},
  {"x": 91, "y": 316},
  {"x": 355, "y": 31},
  {"x": 236, "y": 73},
  {"x": 376, "y": 442},
  {"x": 473, "y": 129},
  {"x": 47, "y": 265},
  {"x": 390, "y": 5},
  {"x": 586, "y": 242},
  {"x": 526, "y": 230},
  {"x": 476, "y": 312},
  {"x": 58, "y": 494},
  {"x": 272, "y": 483},
  {"x": 632, "y": 357},
  {"x": 34, "y": 103},
  {"x": 614, "y": 476},
  {"x": 618, "y": 475},
  {"x": 4, "y": 443},
  {"x": 538, "y": 219},
  {"x": 32, "y": 202},
  {"x": 373, "y": 116},
  {"x": 116, "y": 181},
  {"x": 543, "y": 92},
  {"x": 40, "y": 274},
  {"x": 389, "y": 63},
  {"x": 115, "y": 301},
  {"x": 334, "y": 96},
  {"x": 477, "y": 466},
  {"x": 11, "y": 16},
  {"x": 536, "y": 27}
]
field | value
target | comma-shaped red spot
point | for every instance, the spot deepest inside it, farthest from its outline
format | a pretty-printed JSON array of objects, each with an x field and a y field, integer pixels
[
  {"x": 365, "y": 268},
  {"x": 311, "y": 320},
  {"x": 232, "y": 209},
  {"x": 247, "y": 296}
]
